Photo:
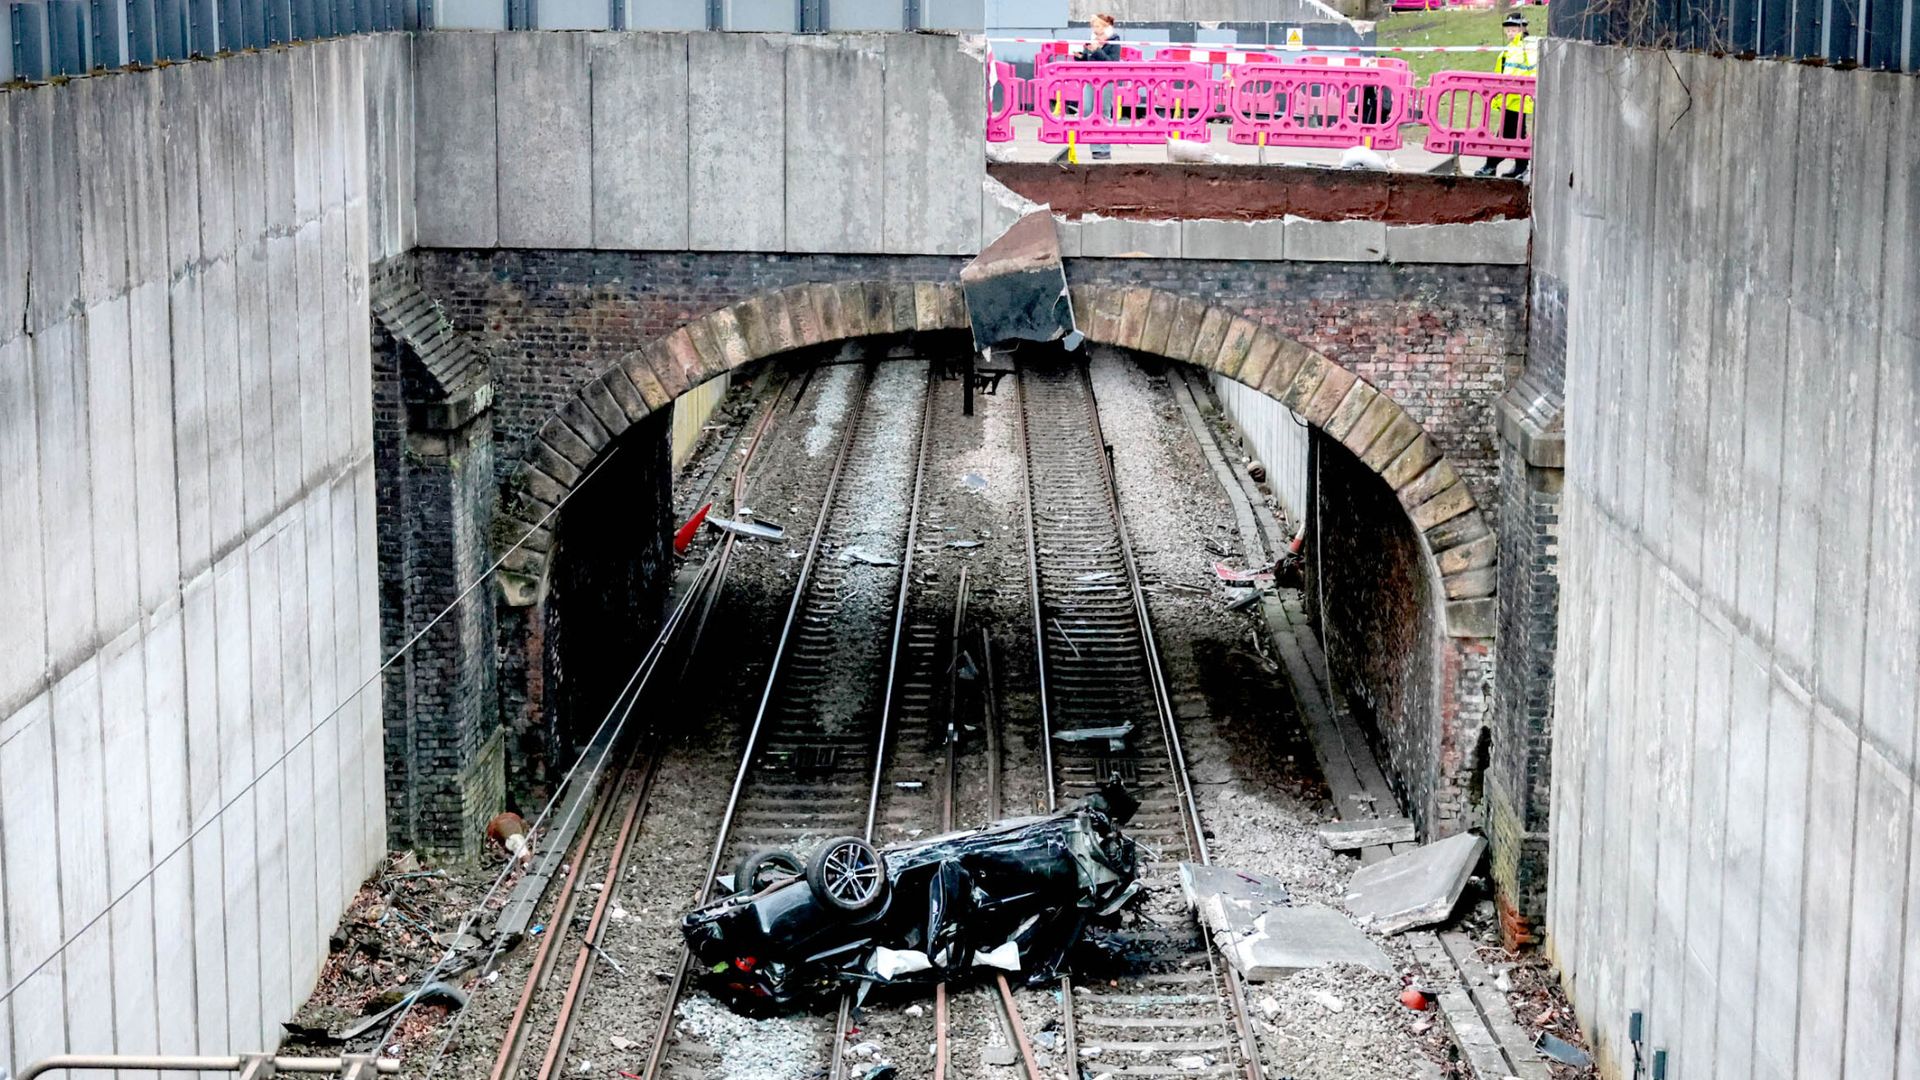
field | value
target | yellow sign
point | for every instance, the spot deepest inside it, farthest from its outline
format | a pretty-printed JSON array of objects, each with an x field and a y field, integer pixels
[{"x": 1293, "y": 36}]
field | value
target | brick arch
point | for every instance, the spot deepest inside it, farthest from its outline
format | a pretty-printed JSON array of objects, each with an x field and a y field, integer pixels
[{"x": 1452, "y": 529}]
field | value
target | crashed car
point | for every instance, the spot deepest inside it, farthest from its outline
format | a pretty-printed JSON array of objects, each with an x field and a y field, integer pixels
[{"x": 1014, "y": 895}]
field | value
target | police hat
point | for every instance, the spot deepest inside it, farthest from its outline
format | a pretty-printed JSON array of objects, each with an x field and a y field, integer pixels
[{"x": 1516, "y": 19}]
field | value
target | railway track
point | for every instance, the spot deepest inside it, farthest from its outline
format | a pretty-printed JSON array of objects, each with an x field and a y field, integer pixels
[
  {"x": 813, "y": 760},
  {"x": 1105, "y": 710}
]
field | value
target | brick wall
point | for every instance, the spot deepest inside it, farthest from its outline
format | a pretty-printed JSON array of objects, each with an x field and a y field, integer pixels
[
  {"x": 1372, "y": 597},
  {"x": 553, "y": 319},
  {"x": 1520, "y": 764},
  {"x": 1439, "y": 340}
]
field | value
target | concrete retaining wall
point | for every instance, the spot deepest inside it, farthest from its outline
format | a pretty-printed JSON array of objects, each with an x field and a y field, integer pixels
[
  {"x": 188, "y": 795},
  {"x": 1733, "y": 828},
  {"x": 1275, "y": 436},
  {"x": 700, "y": 142}
]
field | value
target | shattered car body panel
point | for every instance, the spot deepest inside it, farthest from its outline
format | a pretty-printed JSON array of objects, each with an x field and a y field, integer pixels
[{"x": 1013, "y": 895}]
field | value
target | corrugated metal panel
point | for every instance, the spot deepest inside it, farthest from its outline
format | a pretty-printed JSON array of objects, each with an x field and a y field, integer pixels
[
  {"x": 691, "y": 413},
  {"x": 1278, "y": 438}
]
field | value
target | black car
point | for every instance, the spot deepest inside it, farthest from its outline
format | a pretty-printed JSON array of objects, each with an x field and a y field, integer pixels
[{"x": 1014, "y": 895}]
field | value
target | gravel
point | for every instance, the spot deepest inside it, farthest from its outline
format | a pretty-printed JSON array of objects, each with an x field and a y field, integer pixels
[{"x": 776, "y": 1048}]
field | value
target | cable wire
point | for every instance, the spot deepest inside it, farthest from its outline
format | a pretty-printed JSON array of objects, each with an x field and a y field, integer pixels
[{"x": 485, "y": 576}]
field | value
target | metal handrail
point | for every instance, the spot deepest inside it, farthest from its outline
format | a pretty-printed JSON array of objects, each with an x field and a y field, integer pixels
[{"x": 250, "y": 1066}]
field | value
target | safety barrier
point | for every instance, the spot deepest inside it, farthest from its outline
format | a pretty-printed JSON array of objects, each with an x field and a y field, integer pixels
[
  {"x": 1332, "y": 102},
  {"x": 1319, "y": 105},
  {"x": 1468, "y": 113},
  {"x": 1130, "y": 103}
]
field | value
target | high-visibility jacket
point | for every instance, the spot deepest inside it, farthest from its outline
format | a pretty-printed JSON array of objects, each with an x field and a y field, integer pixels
[{"x": 1517, "y": 59}]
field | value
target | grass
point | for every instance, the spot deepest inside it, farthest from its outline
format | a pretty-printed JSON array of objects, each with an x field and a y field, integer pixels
[{"x": 1453, "y": 26}]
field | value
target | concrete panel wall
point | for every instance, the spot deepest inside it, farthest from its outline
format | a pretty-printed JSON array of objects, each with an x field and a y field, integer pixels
[
  {"x": 187, "y": 796},
  {"x": 1739, "y": 684},
  {"x": 1277, "y": 437},
  {"x": 865, "y": 144}
]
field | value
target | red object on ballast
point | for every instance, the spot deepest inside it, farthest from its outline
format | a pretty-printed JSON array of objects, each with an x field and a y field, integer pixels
[
  {"x": 684, "y": 536},
  {"x": 1413, "y": 999}
]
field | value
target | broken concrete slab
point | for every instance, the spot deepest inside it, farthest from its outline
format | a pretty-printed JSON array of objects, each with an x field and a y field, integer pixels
[
  {"x": 1230, "y": 900},
  {"x": 1016, "y": 288},
  {"x": 1354, "y": 835},
  {"x": 1418, "y": 888},
  {"x": 1285, "y": 941}
]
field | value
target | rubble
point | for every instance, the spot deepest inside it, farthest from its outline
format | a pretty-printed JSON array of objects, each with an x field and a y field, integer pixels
[
  {"x": 1354, "y": 835},
  {"x": 1418, "y": 888},
  {"x": 1016, "y": 288},
  {"x": 748, "y": 529}
]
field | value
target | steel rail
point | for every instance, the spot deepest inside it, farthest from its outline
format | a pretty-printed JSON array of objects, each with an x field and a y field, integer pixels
[
  {"x": 707, "y": 585},
  {"x": 663, "y": 1033},
  {"x": 990, "y": 707},
  {"x": 1194, "y": 827}
]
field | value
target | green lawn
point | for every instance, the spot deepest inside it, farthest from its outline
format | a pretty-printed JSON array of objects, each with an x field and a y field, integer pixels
[{"x": 1453, "y": 26}]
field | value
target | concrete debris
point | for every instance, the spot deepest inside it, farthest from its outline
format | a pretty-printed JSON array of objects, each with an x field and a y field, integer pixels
[
  {"x": 1230, "y": 900},
  {"x": 748, "y": 529},
  {"x": 1115, "y": 737},
  {"x": 622, "y": 1043},
  {"x": 1016, "y": 288},
  {"x": 998, "y": 1055},
  {"x": 867, "y": 558},
  {"x": 1419, "y": 888},
  {"x": 1562, "y": 1051},
  {"x": 1354, "y": 835},
  {"x": 1284, "y": 941}
]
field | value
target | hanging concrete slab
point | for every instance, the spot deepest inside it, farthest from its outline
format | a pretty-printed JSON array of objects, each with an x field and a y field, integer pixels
[
  {"x": 1016, "y": 288},
  {"x": 1419, "y": 888}
]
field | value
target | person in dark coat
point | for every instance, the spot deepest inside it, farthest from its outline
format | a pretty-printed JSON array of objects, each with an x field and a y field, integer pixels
[{"x": 1104, "y": 47}]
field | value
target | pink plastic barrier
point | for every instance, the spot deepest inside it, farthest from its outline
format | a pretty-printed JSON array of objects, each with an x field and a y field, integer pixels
[
  {"x": 1011, "y": 90},
  {"x": 1222, "y": 61},
  {"x": 1331, "y": 105},
  {"x": 1466, "y": 112},
  {"x": 1129, "y": 103}
]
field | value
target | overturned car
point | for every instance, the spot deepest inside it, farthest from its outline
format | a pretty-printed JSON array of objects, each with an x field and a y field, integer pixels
[{"x": 1014, "y": 895}]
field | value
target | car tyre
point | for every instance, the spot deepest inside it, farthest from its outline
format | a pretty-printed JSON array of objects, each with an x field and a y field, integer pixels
[
  {"x": 754, "y": 864},
  {"x": 848, "y": 875}
]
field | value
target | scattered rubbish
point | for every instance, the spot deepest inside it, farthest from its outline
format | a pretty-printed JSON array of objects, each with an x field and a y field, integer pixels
[
  {"x": 1418, "y": 888},
  {"x": 1115, "y": 736},
  {"x": 916, "y": 1010},
  {"x": 1269, "y": 1007},
  {"x": 1016, "y": 288},
  {"x": 1413, "y": 999},
  {"x": 910, "y": 785},
  {"x": 1246, "y": 599},
  {"x": 683, "y": 536},
  {"x": 434, "y": 993},
  {"x": 1502, "y": 981},
  {"x": 964, "y": 545},
  {"x": 1005, "y": 956},
  {"x": 1241, "y": 577},
  {"x": 585, "y": 1068},
  {"x": 882, "y": 1072},
  {"x": 1192, "y": 1063},
  {"x": 868, "y": 558},
  {"x": 404, "y": 863},
  {"x": 975, "y": 481},
  {"x": 867, "y": 1050},
  {"x": 1089, "y": 1051},
  {"x": 1257, "y": 471},
  {"x": 611, "y": 962},
  {"x": 509, "y": 830},
  {"x": 1329, "y": 1001},
  {"x": 748, "y": 529},
  {"x": 1562, "y": 1051},
  {"x": 1354, "y": 835},
  {"x": 621, "y": 1042},
  {"x": 1068, "y": 638},
  {"x": 456, "y": 941},
  {"x": 998, "y": 1055}
]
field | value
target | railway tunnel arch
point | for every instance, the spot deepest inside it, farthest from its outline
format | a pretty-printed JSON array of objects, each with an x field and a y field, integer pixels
[{"x": 1432, "y": 603}]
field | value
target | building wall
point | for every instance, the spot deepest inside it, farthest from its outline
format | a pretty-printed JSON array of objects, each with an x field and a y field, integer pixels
[
  {"x": 701, "y": 142},
  {"x": 1739, "y": 652},
  {"x": 189, "y": 790}
]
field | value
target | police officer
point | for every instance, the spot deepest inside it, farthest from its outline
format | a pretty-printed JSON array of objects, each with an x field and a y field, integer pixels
[{"x": 1516, "y": 109}]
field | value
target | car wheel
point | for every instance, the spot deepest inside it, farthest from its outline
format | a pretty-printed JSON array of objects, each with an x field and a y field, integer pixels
[
  {"x": 847, "y": 874},
  {"x": 758, "y": 868}
]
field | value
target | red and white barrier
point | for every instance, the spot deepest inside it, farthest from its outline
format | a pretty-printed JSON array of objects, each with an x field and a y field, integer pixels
[
  {"x": 1466, "y": 113},
  {"x": 1128, "y": 103}
]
